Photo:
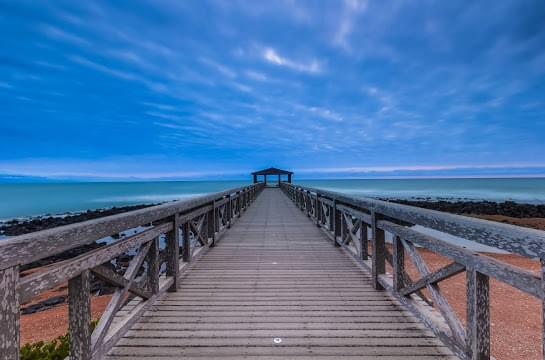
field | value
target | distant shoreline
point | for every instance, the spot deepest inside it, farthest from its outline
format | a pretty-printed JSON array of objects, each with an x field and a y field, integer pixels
[{"x": 479, "y": 208}]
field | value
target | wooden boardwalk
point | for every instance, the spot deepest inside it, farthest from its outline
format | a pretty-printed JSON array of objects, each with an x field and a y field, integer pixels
[{"x": 276, "y": 287}]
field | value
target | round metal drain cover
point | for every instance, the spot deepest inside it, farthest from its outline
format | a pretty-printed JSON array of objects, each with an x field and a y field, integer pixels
[{"x": 277, "y": 340}]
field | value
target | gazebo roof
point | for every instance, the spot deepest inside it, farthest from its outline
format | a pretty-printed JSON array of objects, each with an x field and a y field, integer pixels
[{"x": 272, "y": 171}]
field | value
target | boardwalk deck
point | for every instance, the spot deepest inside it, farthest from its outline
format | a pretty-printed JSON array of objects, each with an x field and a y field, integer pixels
[{"x": 276, "y": 276}]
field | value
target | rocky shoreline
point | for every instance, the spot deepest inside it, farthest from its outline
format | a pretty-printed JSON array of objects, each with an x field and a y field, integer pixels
[{"x": 505, "y": 208}]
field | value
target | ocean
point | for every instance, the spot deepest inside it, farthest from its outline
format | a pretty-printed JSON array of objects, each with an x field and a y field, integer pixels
[{"x": 32, "y": 199}]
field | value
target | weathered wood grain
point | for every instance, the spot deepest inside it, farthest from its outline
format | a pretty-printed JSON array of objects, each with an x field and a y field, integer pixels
[
  {"x": 9, "y": 313},
  {"x": 79, "y": 316},
  {"x": 478, "y": 316},
  {"x": 172, "y": 248}
]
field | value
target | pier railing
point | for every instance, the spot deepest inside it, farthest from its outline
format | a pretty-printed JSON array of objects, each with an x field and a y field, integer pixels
[
  {"x": 158, "y": 236},
  {"x": 359, "y": 226}
]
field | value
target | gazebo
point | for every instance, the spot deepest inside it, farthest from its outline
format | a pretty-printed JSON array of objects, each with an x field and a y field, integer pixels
[{"x": 272, "y": 171}]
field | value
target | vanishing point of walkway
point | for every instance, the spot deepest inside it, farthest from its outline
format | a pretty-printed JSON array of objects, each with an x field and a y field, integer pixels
[{"x": 276, "y": 287}]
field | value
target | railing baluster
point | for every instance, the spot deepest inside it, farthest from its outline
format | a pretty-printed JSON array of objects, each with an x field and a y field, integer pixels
[
  {"x": 398, "y": 263},
  {"x": 378, "y": 251},
  {"x": 79, "y": 314},
  {"x": 478, "y": 315},
  {"x": 210, "y": 223},
  {"x": 173, "y": 253},
  {"x": 364, "y": 241},
  {"x": 318, "y": 211},
  {"x": 336, "y": 223},
  {"x": 153, "y": 266},
  {"x": 543, "y": 308},
  {"x": 9, "y": 313},
  {"x": 186, "y": 243}
]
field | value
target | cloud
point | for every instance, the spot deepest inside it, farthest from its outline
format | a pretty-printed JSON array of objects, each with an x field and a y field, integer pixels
[
  {"x": 271, "y": 56},
  {"x": 351, "y": 9},
  {"x": 61, "y": 35}
]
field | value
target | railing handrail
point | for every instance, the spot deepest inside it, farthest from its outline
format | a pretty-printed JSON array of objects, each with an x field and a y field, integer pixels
[
  {"x": 512, "y": 238},
  {"x": 24, "y": 249}
]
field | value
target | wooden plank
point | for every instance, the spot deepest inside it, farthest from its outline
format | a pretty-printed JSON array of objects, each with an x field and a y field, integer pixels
[
  {"x": 9, "y": 313},
  {"x": 79, "y": 316}
]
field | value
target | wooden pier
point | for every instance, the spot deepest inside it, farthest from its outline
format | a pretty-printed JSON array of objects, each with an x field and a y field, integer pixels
[
  {"x": 275, "y": 286},
  {"x": 256, "y": 272}
]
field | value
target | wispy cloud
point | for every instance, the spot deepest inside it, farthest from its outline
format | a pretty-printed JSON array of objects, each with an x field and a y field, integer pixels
[
  {"x": 347, "y": 21},
  {"x": 271, "y": 56},
  {"x": 62, "y": 35}
]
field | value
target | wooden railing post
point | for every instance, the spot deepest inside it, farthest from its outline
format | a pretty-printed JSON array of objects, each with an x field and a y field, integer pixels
[
  {"x": 173, "y": 253},
  {"x": 378, "y": 252},
  {"x": 364, "y": 241},
  {"x": 229, "y": 211},
  {"x": 153, "y": 266},
  {"x": 9, "y": 313},
  {"x": 79, "y": 314},
  {"x": 186, "y": 244},
  {"x": 239, "y": 207},
  {"x": 318, "y": 210},
  {"x": 211, "y": 224},
  {"x": 398, "y": 263},
  {"x": 478, "y": 315},
  {"x": 543, "y": 307},
  {"x": 336, "y": 223}
]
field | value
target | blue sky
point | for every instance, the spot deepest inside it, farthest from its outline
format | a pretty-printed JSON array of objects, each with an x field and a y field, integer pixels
[{"x": 218, "y": 88}]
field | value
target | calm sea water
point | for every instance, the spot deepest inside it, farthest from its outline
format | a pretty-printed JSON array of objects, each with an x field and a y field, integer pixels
[{"x": 29, "y": 199}]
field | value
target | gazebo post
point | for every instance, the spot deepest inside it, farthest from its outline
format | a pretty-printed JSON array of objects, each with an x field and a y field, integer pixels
[
  {"x": 255, "y": 179},
  {"x": 289, "y": 178},
  {"x": 278, "y": 180},
  {"x": 265, "y": 179}
]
